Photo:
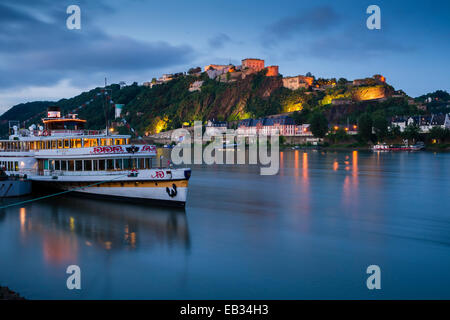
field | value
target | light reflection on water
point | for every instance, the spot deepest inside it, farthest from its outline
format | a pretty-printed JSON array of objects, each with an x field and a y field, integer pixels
[{"x": 308, "y": 232}]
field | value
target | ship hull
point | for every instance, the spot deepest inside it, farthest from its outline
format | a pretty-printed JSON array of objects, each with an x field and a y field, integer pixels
[
  {"x": 158, "y": 186},
  {"x": 167, "y": 193}
]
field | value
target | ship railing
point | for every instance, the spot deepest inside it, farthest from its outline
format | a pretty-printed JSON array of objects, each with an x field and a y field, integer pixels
[{"x": 69, "y": 132}]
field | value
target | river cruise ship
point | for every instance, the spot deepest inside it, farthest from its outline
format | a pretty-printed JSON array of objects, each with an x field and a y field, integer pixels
[{"x": 61, "y": 155}]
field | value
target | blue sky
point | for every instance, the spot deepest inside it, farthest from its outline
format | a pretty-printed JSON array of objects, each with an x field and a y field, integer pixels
[{"x": 136, "y": 40}]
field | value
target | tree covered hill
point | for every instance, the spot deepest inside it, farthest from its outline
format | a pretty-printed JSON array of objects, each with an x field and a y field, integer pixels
[{"x": 171, "y": 104}]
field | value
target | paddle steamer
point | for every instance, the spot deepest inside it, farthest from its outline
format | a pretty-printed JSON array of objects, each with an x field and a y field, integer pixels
[{"x": 62, "y": 155}]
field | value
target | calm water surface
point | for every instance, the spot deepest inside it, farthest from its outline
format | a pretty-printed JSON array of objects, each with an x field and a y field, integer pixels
[{"x": 309, "y": 232}]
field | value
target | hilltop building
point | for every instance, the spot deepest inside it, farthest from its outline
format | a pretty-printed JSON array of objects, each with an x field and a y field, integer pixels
[
  {"x": 272, "y": 71},
  {"x": 251, "y": 63},
  {"x": 297, "y": 82},
  {"x": 376, "y": 79}
]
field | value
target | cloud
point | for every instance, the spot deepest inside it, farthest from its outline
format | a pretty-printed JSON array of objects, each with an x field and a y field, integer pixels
[
  {"x": 321, "y": 32},
  {"x": 316, "y": 19},
  {"x": 219, "y": 40},
  {"x": 62, "y": 88},
  {"x": 37, "y": 50}
]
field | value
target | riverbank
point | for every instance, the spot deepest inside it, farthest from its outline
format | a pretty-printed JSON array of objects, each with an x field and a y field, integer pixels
[{"x": 7, "y": 294}]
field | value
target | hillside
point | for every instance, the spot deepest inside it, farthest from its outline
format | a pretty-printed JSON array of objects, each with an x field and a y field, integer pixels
[{"x": 169, "y": 105}]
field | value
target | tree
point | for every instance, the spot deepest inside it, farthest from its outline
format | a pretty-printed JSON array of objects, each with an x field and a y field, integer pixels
[
  {"x": 440, "y": 134},
  {"x": 342, "y": 82},
  {"x": 194, "y": 70},
  {"x": 411, "y": 132},
  {"x": 394, "y": 132},
  {"x": 301, "y": 117},
  {"x": 365, "y": 127},
  {"x": 380, "y": 126},
  {"x": 319, "y": 125}
]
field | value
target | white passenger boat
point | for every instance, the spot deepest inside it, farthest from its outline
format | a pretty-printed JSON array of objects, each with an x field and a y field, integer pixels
[{"x": 62, "y": 155}]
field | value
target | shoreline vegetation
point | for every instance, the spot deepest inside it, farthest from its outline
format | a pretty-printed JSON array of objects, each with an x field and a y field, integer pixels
[{"x": 8, "y": 294}]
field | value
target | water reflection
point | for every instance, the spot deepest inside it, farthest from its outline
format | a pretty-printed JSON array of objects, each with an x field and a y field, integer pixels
[{"x": 65, "y": 223}]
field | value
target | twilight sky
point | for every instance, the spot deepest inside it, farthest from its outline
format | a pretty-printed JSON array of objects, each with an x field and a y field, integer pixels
[{"x": 135, "y": 40}]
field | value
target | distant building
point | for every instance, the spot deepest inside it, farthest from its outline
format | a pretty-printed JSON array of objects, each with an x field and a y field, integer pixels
[
  {"x": 282, "y": 125},
  {"x": 272, "y": 71},
  {"x": 297, "y": 82},
  {"x": 255, "y": 64},
  {"x": 379, "y": 78},
  {"x": 228, "y": 67},
  {"x": 424, "y": 122},
  {"x": 166, "y": 77},
  {"x": 195, "y": 86},
  {"x": 214, "y": 128},
  {"x": 376, "y": 79},
  {"x": 118, "y": 109}
]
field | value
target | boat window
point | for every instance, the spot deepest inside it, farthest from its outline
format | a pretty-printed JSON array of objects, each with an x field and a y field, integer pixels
[
  {"x": 71, "y": 165},
  {"x": 95, "y": 163},
  {"x": 87, "y": 165},
  {"x": 76, "y": 143},
  {"x": 60, "y": 144},
  {"x": 53, "y": 144},
  {"x": 141, "y": 163},
  {"x": 148, "y": 163},
  {"x": 63, "y": 165},
  {"x": 101, "y": 164},
  {"x": 51, "y": 165},
  {"x": 45, "y": 164},
  {"x": 66, "y": 143},
  {"x": 57, "y": 165},
  {"x": 78, "y": 165},
  {"x": 127, "y": 163},
  {"x": 106, "y": 142},
  {"x": 16, "y": 165},
  {"x": 110, "y": 164},
  {"x": 118, "y": 164}
]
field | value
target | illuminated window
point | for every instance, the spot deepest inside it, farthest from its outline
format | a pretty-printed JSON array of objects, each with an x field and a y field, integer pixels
[
  {"x": 66, "y": 143},
  {"x": 60, "y": 144}
]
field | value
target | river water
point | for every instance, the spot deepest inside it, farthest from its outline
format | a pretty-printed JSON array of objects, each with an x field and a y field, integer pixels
[{"x": 309, "y": 232}]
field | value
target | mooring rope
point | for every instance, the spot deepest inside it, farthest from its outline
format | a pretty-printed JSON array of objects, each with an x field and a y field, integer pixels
[{"x": 59, "y": 193}]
